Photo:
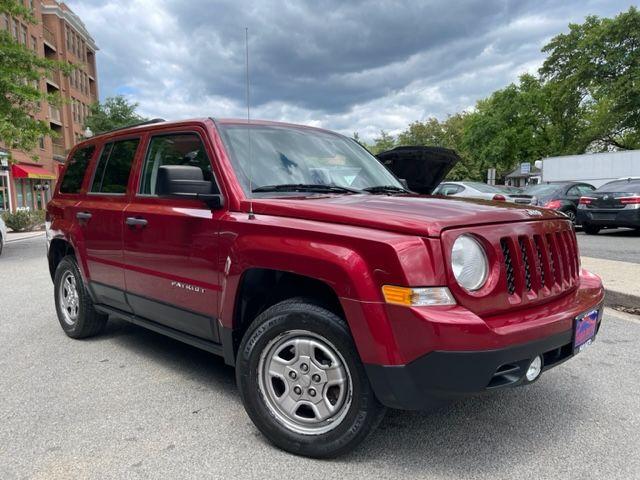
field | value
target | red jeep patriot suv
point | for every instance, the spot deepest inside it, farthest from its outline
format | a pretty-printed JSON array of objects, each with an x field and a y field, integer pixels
[{"x": 298, "y": 257}]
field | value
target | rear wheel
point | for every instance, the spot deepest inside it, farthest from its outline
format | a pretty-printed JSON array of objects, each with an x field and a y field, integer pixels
[
  {"x": 590, "y": 229},
  {"x": 571, "y": 214},
  {"x": 302, "y": 382},
  {"x": 76, "y": 313}
]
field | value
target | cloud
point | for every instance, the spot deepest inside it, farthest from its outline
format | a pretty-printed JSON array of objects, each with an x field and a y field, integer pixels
[{"x": 349, "y": 66}]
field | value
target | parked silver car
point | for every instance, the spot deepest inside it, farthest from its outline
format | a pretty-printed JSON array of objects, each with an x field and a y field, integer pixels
[{"x": 482, "y": 191}]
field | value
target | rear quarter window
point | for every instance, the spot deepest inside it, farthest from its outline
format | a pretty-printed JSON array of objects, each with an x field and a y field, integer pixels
[{"x": 76, "y": 169}]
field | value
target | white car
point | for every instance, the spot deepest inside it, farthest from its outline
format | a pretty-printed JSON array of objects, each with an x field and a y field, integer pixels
[
  {"x": 3, "y": 234},
  {"x": 482, "y": 191}
]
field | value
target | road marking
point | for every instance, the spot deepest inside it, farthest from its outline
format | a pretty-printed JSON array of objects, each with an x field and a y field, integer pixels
[{"x": 622, "y": 315}]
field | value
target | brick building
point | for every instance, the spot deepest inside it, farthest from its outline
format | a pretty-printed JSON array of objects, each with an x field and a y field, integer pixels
[{"x": 58, "y": 35}]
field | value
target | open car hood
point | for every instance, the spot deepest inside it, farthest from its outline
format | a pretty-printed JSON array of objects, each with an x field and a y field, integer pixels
[{"x": 422, "y": 167}]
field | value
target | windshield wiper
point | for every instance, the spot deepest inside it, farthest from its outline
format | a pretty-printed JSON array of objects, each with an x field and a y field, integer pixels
[
  {"x": 305, "y": 187},
  {"x": 385, "y": 189}
]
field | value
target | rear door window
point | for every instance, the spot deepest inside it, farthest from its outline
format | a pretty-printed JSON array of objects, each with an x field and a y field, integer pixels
[
  {"x": 114, "y": 167},
  {"x": 76, "y": 168},
  {"x": 574, "y": 191}
]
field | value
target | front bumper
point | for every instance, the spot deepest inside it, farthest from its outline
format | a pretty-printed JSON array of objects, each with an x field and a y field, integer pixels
[
  {"x": 442, "y": 376},
  {"x": 464, "y": 355}
]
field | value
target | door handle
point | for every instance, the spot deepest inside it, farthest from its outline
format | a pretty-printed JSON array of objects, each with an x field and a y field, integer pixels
[
  {"x": 83, "y": 216},
  {"x": 136, "y": 222}
]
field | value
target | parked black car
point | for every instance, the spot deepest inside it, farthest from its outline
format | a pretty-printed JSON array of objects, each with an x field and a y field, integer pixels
[
  {"x": 561, "y": 196},
  {"x": 613, "y": 205}
]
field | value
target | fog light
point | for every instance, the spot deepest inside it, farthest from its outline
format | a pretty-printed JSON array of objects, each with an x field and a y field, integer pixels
[{"x": 534, "y": 369}]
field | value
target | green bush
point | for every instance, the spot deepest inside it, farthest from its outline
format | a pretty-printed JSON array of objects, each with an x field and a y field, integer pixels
[
  {"x": 37, "y": 218},
  {"x": 24, "y": 220}
]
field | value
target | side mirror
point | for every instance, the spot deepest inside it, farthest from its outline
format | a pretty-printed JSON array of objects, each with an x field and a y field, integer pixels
[{"x": 186, "y": 181}]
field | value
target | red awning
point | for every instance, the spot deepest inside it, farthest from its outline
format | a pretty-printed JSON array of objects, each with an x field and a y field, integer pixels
[{"x": 31, "y": 171}]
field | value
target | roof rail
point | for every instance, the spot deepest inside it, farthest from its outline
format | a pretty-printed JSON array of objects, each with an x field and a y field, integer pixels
[{"x": 140, "y": 124}]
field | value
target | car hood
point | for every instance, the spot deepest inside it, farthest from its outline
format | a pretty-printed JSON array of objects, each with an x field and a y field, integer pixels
[
  {"x": 423, "y": 168},
  {"x": 412, "y": 214}
]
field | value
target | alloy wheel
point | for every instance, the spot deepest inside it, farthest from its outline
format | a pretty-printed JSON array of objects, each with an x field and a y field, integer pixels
[{"x": 69, "y": 299}]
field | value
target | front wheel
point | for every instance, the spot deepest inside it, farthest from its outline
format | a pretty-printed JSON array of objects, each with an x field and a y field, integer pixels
[{"x": 302, "y": 382}]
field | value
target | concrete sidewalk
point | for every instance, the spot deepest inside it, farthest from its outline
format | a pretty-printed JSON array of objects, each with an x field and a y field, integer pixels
[
  {"x": 16, "y": 236},
  {"x": 621, "y": 280}
]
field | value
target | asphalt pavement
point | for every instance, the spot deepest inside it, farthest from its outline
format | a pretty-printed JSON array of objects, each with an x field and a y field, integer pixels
[
  {"x": 615, "y": 244},
  {"x": 134, "y": 404}
]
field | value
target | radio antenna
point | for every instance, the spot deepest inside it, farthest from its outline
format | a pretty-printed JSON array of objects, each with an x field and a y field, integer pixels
[{"x": 246, "y": 44}]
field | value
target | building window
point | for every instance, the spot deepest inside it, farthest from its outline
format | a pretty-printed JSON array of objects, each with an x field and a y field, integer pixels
[
  {"x": 34, "y": 43},
  {"x": 24, "y": 36},
  {"x": 4, "y": 192},
  {"x": 16, "y": 30},
  {"x": 41, "y": 143},
  {"x": 19, "y": 193},
  {"x": 5, "y": 21}
]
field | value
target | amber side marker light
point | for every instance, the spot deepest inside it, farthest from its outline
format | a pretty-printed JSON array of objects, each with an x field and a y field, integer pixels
[{"x": 417, "y": 297}]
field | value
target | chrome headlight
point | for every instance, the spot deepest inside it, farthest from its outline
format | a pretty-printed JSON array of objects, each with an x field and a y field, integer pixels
[{"x": 469, "y": 263}]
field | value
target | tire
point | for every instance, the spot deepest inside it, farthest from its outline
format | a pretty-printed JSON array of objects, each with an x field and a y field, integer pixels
[
  {"x": 76, "y": 313},
  {"x": 571, "y": 214},
  {"x": 590, "y": 229},
  {"x": 287, "y": 332}
]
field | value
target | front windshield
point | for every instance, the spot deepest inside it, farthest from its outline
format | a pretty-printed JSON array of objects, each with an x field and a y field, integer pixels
[{"x": 289, "y": 155}]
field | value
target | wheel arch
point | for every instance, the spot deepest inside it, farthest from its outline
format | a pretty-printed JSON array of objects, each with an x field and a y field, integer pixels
[{"x": 58, "y": 249}]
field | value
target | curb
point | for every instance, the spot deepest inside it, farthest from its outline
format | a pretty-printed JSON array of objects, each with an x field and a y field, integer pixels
[
  {"x": 614, "y": 298},
  {"x": 17, "y": 237},
  {"x": 619, "y": 280}
]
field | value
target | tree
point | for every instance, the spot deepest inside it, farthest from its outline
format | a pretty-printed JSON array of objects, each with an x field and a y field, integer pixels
[
  {"x": 598, "y": 65},
  {"x": 20, "y": 95},
  {"x": 115, "y": 112},
  {"x": 384, "y": 142}
]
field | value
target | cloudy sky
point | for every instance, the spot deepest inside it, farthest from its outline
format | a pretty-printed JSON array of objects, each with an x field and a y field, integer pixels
[{"x": 347, "y": 65}]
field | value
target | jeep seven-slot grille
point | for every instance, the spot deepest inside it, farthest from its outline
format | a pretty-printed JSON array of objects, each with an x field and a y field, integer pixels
[
  {"x": 508, "y": 267},
  {"x": 534, "y": 263}
]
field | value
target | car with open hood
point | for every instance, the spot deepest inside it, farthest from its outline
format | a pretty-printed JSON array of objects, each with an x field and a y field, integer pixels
[{"x": 307, "y": 265}]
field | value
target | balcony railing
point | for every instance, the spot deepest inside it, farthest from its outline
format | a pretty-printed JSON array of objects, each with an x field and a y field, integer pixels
[
  {"x": 49, "y": 36},
  {"x": 54, "y": 114}
]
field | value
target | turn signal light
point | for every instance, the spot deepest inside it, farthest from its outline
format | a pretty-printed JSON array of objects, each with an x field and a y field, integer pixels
[
  {"x": 499, "y": 198},
  {"x": 630, "y": 200},
  {"x": 417, "y": 297},
  {"x": 585, "y": 200},
  {"x": 553, "y": 204}
]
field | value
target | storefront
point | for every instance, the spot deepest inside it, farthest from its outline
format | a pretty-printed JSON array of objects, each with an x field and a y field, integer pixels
[{"x": 32, "y": 186}]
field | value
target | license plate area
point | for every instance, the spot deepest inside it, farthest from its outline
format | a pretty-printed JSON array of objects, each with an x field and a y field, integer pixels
[{"x": 585, "y": 327}]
